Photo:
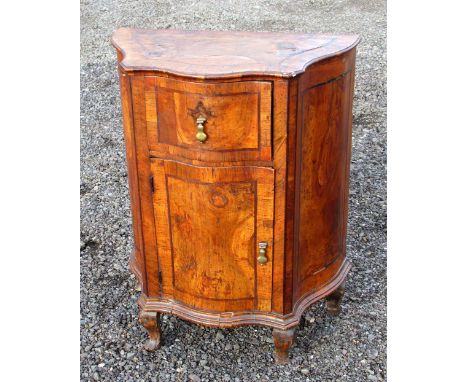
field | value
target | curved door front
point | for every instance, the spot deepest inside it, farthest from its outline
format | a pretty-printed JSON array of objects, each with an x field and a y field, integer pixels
[{"x": 209, "y": 224}]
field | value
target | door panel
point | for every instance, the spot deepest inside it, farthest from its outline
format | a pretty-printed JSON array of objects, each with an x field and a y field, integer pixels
[{"x": 209, "y": 222}]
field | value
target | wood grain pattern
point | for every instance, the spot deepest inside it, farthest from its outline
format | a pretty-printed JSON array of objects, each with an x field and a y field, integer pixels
[
  {"x": 238, "y": 119},
  {"x": 280, "y": 134},
  {"x": 149, "y": 247},
  {"x": 290, "y": 237},
  {"x": 210, "y": 222},
  {"x": 137, "y": 261},
  {"x": 207, "y": 54},
  {"x": 250, "y": 317},
  {"x": 275, "y": 168},
  {"x": 322, "y": 173}
]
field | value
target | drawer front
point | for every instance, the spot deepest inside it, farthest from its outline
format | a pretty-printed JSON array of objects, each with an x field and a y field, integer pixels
[{"x": 212, "y": 122}]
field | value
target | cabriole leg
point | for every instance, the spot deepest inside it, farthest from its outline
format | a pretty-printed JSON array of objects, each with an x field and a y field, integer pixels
[
  {"x": 333, "y": 301},
  {"x": 151, "y": 322},
  {"x": 283, "y": 341}
]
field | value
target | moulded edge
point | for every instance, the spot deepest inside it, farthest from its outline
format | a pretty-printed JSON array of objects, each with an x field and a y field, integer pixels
[
  {"x": 230, "y": 319},
  {"x": 240, "y": 74}
]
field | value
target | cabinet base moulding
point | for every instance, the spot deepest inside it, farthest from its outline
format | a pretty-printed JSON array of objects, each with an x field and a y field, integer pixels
[{"x": 231, "y": 319}]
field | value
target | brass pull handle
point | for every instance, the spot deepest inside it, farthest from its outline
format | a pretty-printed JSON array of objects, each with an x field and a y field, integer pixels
[
  {"x": 262, "y": 259},
  {"x": 201, "y": 135}
]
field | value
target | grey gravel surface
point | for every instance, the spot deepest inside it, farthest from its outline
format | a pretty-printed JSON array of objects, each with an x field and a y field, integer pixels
[{"x": 351, "y": 347}]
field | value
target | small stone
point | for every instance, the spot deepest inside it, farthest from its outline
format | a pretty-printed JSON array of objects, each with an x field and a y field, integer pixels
[
  {"x": 228, "y": 347},
  {"x": 268, "y": 339},
  {"x": 344, "y": 351},
  {"x": 373, "y": 353},
  {"x": 219, "y": 336},
  {"x": 372, "y": 377},
  {"x": 194, "y": 378},
  {"x": 130, "y": 355},
  {"x": 305, "y": 371},
  {"x": 203, "y": 362},
  {"x": 101, "y": 365}
]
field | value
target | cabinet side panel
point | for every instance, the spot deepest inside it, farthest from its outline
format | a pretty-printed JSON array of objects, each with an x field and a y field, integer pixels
[
  {"x": 137, "y": 261},
  {"x": 280, "y": 144},
  {"x": 290, "y": 196},
  {"x": 152, "y": 286},
  {"x": 324, "y": 144}
]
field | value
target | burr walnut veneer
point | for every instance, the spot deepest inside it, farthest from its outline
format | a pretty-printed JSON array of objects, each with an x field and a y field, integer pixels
[{"x": 238, "y": 148}]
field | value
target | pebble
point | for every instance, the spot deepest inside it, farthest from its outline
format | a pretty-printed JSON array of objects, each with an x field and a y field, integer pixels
[{"x": 194, "y": 378}]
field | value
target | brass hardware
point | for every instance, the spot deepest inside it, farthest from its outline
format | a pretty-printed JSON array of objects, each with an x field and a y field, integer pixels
[
  {"x": 262, "y": 259},
  {"x": 201, "y": 135},
  {"x": 200, "y": 110}
]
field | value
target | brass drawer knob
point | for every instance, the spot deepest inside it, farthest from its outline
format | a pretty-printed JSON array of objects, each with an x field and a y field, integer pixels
[
  {"x": 201, "y": 135},
  {"x": 262, "y": 259}
]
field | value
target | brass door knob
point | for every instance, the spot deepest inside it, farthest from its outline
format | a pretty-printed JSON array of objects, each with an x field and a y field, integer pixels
[
  {"x": 262, "y": 259},
  {"x": 201, "y": 135}
]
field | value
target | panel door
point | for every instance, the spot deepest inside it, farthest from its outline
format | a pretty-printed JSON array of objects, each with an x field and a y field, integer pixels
[{"x": 209, "y": 223}]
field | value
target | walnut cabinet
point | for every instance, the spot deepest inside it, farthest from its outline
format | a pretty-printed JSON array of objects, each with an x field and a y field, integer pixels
[{"x": 238, "y": 148}]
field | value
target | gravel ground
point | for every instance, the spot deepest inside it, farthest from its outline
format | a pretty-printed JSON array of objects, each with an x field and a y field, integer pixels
[{"x": 351, "y": 347}]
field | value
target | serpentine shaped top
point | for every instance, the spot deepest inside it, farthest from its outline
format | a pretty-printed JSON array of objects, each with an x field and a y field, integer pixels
[{"x": 205, "y": 54}]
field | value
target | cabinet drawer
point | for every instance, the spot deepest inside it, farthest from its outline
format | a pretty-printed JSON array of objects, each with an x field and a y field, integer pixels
[{"x": 212, "y": 122}]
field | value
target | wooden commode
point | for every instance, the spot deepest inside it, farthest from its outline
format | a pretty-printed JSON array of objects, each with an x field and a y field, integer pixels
[{"x": 238, "y": 149}]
